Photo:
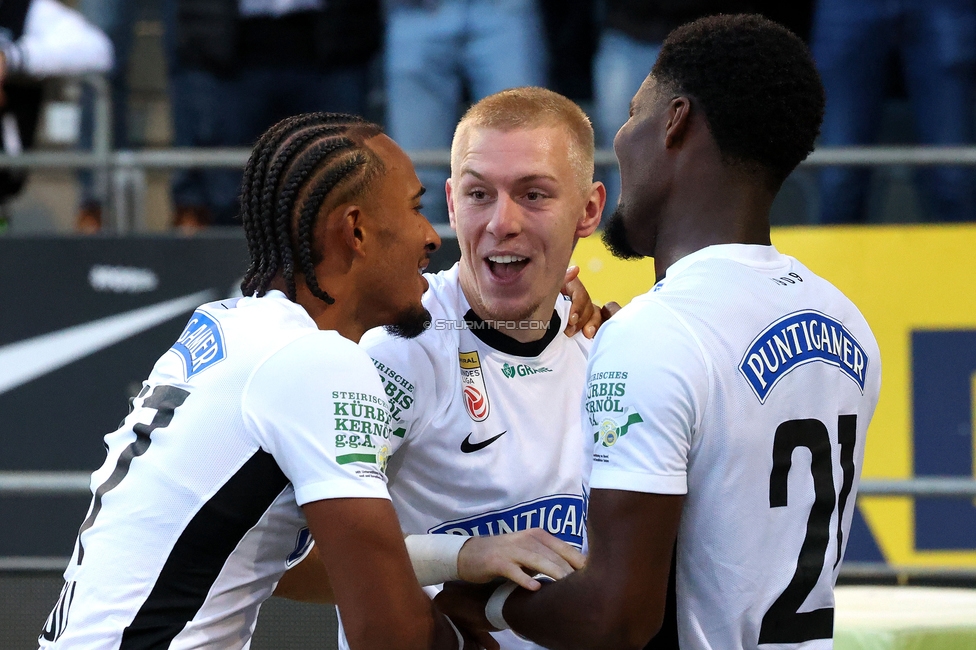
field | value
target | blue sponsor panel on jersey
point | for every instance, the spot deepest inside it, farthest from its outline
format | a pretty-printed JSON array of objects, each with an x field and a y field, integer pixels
[
  {"x": 562, "y": 515},
  {"x": 201, "y": 344},
  {"x": 796, "y": 339},
  {"x": 303, "y": 544}
]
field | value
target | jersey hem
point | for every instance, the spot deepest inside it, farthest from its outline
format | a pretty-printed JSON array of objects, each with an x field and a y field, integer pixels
[
  {"x": 341, "y": 489},
  {"x": 609, "y": 479}
]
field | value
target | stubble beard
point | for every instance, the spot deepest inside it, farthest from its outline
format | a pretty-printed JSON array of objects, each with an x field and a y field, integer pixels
[
  {"x": 411, "y": 323},
  {"x": 615, "y": 236}
]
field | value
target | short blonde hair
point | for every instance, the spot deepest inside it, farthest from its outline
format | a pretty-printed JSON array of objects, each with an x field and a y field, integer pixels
[{"x": 530, "y": 107}]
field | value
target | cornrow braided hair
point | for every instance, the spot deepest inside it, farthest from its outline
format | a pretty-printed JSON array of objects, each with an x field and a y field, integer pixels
[{"x": 299, "y": 166}]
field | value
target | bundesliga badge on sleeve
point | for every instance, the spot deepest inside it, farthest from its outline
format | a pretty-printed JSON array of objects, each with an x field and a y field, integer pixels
[{"x": 473, "y": 386}]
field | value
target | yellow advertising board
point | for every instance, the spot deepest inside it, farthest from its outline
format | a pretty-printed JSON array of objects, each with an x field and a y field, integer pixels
[{"x": 916, "y": 286}]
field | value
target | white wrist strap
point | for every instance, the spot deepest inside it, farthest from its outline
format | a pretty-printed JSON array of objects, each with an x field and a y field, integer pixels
[
  {"x": 435, "y": 557},
  {"x": 493, "y": 609},
  {"x": 456, "y": 631}
]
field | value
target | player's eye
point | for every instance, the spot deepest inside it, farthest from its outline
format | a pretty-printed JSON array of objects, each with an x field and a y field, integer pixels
[
  {"x": 534, "y": 195},
  {"x": 477, "y": 195}
]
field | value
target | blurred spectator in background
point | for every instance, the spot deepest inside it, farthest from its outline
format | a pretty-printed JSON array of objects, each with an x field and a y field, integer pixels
[
  {"x": 630, "y": 40},
  {"x": 572, "y": 33},
  {"x": 935, "y": 41},
  {"x": 439, "y": 50},
  {"x": 39, "y": 38},
  {"x": 116, "y": 18},
  {"x": 242, "y": 65}
]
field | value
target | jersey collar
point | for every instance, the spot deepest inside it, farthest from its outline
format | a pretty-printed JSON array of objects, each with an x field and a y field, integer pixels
[
  {"x": 754, "y": 255},
  {"x": 504, "y": 343}
]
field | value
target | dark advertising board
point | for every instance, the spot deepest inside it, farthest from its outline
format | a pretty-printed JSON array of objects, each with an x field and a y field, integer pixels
[{"x": 82, "y": 322}]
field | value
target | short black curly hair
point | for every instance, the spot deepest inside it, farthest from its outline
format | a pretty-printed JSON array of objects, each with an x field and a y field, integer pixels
[{"x": 756, "y": 83}]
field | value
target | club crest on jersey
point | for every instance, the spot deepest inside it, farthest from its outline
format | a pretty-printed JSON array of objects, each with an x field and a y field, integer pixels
[
  {"x": 562, "y": 515},
  {"x": 473, "y": 388},
  {"x": 610, "y": 432},
  {"x": 201, "y": 344},
  {"x": 797, "y": 339}
]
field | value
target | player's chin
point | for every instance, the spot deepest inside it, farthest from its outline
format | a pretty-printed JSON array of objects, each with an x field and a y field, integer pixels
[{"x": 411, "y": 322}]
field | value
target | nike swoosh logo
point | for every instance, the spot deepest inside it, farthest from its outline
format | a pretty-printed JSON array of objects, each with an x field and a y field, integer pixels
[
  {"x": 31, "y": 358},
  {"x": 467, "y": 446}
]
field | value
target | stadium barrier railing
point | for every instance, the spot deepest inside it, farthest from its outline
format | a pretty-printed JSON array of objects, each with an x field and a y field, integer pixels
[
  {"x": 126, "y": 170},
  {"x": 34, "y": 483}
]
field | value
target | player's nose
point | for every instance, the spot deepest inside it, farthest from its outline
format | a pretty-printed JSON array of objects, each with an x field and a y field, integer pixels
[{"x": 506, "y": 218}]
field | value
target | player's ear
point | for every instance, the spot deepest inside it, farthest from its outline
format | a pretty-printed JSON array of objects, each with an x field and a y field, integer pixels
[
  {"x": 450, "y": 204},
  {"x": 349, "y": 222},
  {"x": 679, "y": 114},
  {"x": 593, "y": 211}
]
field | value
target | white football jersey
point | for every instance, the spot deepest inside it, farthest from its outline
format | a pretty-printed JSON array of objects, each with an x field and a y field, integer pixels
[
  {"x": 486, "y": 433},
  {"x": 196, "y": 513},
  {"x": 747, "y": 383}
]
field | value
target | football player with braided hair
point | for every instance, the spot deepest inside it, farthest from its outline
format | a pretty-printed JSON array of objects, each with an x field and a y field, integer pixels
[{"x": 260, "y": 428}]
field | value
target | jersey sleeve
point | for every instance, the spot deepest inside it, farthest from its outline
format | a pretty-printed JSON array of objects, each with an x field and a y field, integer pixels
[
  {"x": 317, "y": 406},
  {"x": 407, "y": 374},
  {"x": 647, "y": 383}
]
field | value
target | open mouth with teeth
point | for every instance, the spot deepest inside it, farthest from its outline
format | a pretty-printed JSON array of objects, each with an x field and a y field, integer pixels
[{"x": 506, "y": 267}]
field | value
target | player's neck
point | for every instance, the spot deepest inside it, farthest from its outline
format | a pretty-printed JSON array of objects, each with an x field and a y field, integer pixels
[
  {"x": 337, "y": 316},
  {"x": 524, "y": 330},
  {"x": 727, "y": 211}
]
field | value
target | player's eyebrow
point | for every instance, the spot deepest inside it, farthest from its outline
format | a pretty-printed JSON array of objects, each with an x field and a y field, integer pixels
[
  {"x": 522, "y": 179},
  {"x": 420, "y": 193}
]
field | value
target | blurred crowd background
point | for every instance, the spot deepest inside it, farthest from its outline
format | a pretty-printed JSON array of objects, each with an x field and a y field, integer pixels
[{"x": 217, "y": 73}]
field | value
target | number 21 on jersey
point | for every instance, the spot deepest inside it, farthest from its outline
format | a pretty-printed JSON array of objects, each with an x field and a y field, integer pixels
[{"x": 782, "y": 623}]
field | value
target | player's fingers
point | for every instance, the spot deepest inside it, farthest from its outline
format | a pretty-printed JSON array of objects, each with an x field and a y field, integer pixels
[
  {"x": 572, "y": 556},
  {"x": 514, "y": 572},
  {"x": 609, "y": 309},
  {"x": 582, "y": 309},
  {"x": 568, "y": 553},
  {"x": 541, "y": 559},
  {"x": 571, "y": 274}
]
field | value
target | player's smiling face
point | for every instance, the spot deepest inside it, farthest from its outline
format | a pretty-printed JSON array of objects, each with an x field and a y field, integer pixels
[
  {"x": 404, "y": 240},
  {"x": 518, "y": 207}
]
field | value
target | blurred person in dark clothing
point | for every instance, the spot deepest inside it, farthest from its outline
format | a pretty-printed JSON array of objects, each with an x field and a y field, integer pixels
[
  {"x": 439, "y": 50},
  {"x": 38, "y": 39},
  {"x": 935, "y": 41},
  {"x": 632, "y": 34},
  {"x": 116, "y": 19},
  {"x": 242, "y": 65}
]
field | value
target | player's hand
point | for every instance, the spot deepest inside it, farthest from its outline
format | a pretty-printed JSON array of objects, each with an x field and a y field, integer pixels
[
  {"x": 517, "y": 556},
  {"x": 608, "y": 310},
  {"x": 583, "y": 314},
  {"x": 476, "y": 639},
  {"x": 465, "y": 604}
]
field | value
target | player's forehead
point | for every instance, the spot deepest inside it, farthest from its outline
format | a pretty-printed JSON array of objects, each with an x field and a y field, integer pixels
[
  {"x": 398, "y": 171},
  {"x": 510, "y": 155}
]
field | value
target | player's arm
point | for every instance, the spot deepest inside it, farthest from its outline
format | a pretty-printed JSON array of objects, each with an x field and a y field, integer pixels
[
  {"x": 363, "y": 555},
  {"x": 296, "y": 409},
  {"x": 616, "y": 601},
  {"x": 660, "y": 378},
  {"x": 436, "y": 559},
  {"x": 307, "y": 581}
]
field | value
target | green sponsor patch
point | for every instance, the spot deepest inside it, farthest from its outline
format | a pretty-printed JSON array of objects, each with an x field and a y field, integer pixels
[
  {"x": 356, "y": 458},
  {"x": 610, "y": 432},
  {"x": 522, "y": 370}
]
